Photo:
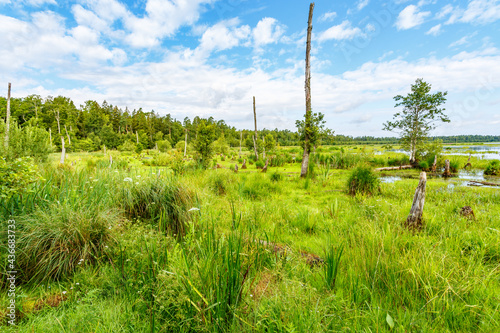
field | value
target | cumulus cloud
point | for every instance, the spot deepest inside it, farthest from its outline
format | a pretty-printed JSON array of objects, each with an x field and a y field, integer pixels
[
  {"x": 410, "y": 17},
  {"x": 362, "y": 4},
  {"x": 339, "y": 32},
  {"x": 435, "y": 30},
  {"x": 267, "y": 31},
  {"x": 223, "y": 35}
]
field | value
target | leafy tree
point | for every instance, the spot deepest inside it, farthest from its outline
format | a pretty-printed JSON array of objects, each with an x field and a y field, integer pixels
[
  {"x": 420, "y": 113},
  {"x": 270, "y": 143},
  {"x": 221, "y": 146},
  {"x": 205, "y": 136}
]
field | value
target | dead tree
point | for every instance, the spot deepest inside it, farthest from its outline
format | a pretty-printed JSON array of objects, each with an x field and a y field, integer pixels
[
  {"x": 468, "y": 165},
  {"x": 241, "y": 139},
  {"x": 50, "y": 136},
  {"x": 308, "y": 118},
  {"x": 110, "y": 160},
  {"x": 434, "y": 165},
  {"x": 244, "y": 166},
  {"x": 263, "y": 148},
  {"x": 67, "y": 133},
  {"x": 255, "y": 136},
  {"x": 58, "y": 118},
  {"x": 236, "y": 168},
  {"x": 104, "y": 148},
  {"x": 414, "y": 220},
  {"x": 185, "y": 143},
  {"x": 7, "y": 127},
  {"x": 447, "y": 172},
  {"x": 63, "y": 151},
  {"x": 137, "y": 136},
  {"x": 264, "y": 169}
]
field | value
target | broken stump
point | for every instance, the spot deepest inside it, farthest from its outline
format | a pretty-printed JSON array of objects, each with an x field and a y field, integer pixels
[{"x": 414, "y": 220}]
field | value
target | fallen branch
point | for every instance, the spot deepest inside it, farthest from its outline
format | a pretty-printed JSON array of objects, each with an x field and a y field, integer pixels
[
  {"x": 401, "y": 167},
  {"x": 483, "y": 183}
]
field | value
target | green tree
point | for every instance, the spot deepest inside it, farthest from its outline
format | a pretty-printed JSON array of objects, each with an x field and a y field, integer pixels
[
  {"x": 420, "y": 113},
  {"x": 270, "y": 143},
  {"x": 205, "y": 136}
]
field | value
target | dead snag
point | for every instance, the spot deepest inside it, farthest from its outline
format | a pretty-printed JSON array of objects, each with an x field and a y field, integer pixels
[
  {"x": 447, "y": 172},
  {"x": 414, "y": 220},
  {"x": 264, "y": 169},
  {"x": 468, "y": 165},
  {"x": 236, "y": 168},
  {"x": 244, "y": 166},
  {"x": 63, "y": 151},
  {"x": 433, "y": 169}
]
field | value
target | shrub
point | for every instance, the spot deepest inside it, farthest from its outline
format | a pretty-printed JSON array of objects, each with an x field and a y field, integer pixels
[
  {"x": 424, "y": 165},
  {"x": 57, "y": 240},
  {"x": 127, "y": 146},
  {"x": 15, "y": 176},
  {"x": 363, "y": 180},
  {"x": 220, "y": 181},
  {"x": 28, "y": 141},
  {"x": 493, "y": 168},
  {"x": 259, "y": 164},
  {"x": 164, "y": 146},
  {"x": 454, "y": 165},
  {"x": 162, "y": 159}
]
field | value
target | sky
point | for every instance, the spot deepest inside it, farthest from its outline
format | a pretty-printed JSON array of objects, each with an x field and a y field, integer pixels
[{"x": 210, "y": 57}]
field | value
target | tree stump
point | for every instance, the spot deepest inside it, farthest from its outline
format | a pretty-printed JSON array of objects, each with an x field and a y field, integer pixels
[
  {"x": 467, "y": 212},
  {"x": 433, "y": 169},
  {"x": 264, "y": 169},
  {"x": 218, "y": 166},
  {"x": 236, "y": 168},
  {"x": 468, "y": 165},
  {"x": 414, "y": 220},
  {"x": 244, "y": 166},
  {"x": 447, "y": 172}
]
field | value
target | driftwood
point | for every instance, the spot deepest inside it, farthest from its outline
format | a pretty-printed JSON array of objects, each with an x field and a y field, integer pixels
[
  {"x": 447, "y": 172},
  {"x": 483, "y": 183},
  {"x": 414, "y": 220},
  {"x": 409, "y": 166},
  {"x": 244, "y": 166},
  {"x": 264, "y": 169}
]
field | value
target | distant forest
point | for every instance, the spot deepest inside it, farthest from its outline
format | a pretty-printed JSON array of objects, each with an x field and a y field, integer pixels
[{"x": 92, "y": 125}]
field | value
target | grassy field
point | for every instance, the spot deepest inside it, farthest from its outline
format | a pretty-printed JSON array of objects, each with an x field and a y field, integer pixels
[{"x": 153, "y": 244}]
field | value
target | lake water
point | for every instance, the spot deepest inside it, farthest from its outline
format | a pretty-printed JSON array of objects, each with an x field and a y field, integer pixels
[
  {"x": 463, "y": 178},
  {"x": 487, "y": 151}
]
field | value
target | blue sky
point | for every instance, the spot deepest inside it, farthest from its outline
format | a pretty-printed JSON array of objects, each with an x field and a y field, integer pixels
[{"x": 209, "y": 57}]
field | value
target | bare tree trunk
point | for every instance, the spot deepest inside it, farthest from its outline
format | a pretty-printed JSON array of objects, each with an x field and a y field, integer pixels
[
  {"x": 137, "y": 136},
  {"x": 110, "y": 160},
  {"x": 50, "y": 135},
  {"x": 236, "y": 168},
  {"x": 58, "y": 122},
  {"x": 241, "y": 139},
  {"x": 63, "y": 151},
  {"x": 433, "y": 169},
  {"x": 263, "y": 148},
  {"x": 414, "y": 220},
  {"x": 244, "y": 166},
  {"x": 104, "y": 147},
  {"x": 264, "y": 169},
  {"x": 69, "y": 139},
  {"x": 307, "y": 121},
  {"x": 447, "y": 172},
  {"x": 185, "y": 143},
  {"x": 468, "y": 165},
  {"x": 7, "y": 119},
  {"x": 255, "y": 137}
]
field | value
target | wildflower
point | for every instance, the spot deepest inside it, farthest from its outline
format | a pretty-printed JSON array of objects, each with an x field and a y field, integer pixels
[
  {"x": 64, "y": 292},
  {"x": 136, "y": 183},
  {"x": 193, "y": 209},
  {"x": 78, "y": 283},
  {"x": 128, "y": 179},
  {"x": 96, "y": 180},
  {"x": 138, "y": 176}
]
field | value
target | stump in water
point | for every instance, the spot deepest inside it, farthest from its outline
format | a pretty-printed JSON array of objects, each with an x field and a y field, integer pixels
[
  {"x": 468, "y": 165},
  {"x": 447, "y": 172},
  {"x": 467, "y": 212},
  {"x": 414, "y": 220},
  {"x": 433, "y": 169},
  {"x": 244, "y": 166},
  {"x": 264, "y": 169}
]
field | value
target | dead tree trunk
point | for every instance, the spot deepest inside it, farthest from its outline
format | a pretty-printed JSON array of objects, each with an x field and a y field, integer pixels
[
  {"x": 255, "y": 136},
  {"x": 137, "y": 136},
  {"x": 468, "y": 165},
  {"x": 50, "y": 135},
  {"x": 433, "y": 169},
  {"x": 308, "y": 117},
  {"x": 7, "y": 119},
  {"x": 244, "y": 166},
  {"x": 69, "y": 138},
  {"x": 110, "y": 160},
  {"x": 414, "y": 220},
  {"x": 264, "y": 169},
  {"x": 401, "y": 167},
  {"x": 58, "y": 118},
  {"x": 447, "y": 172},
  {"x": 104, "y": 148},
  {"x": 236, "y": 168},
  {"x": 185, "y": 143},
  {"x": 63, "y": 151},
  {"x": 263, "y": 148},
  {"x": 241, "y": 139}
]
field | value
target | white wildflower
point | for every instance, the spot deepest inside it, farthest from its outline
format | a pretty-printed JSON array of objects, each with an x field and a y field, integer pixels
[
  {"x": 193, "y": 209},
  {"x": 128, "y": 179}
]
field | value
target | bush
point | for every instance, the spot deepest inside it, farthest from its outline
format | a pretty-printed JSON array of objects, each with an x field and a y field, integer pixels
[
  {"x": 259, "y": 164},
  {"x": 58, "y": 240},
  {"x": 454, "y": 165},
  {"x": 493, "y": 168},
  {"x": 363, "y": 180},
  {"x": 28, "y": 141},
  {"x": 164, "y": 146},
  {"x": 423, "y": 165},
  {"x": 276, "y": 176},
  {"x": 16, "y": 176},
  {"x": 220, "y": 181},
  {"x": 127, "y": 146}
]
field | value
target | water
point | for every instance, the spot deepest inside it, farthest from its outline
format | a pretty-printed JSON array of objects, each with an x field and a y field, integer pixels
[
  {"x": 487, "y": 151},
  {"x": 464, "y": 178}
]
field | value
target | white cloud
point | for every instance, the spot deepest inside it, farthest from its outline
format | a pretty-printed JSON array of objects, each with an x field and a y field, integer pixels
[
  {"x": 267, "y": 31},
  {"x": 38, "y": 3},
  {"x": 410, "y": 17},
  {"x": 463, "y": 41},
  {"x": 339, "y": 32},
  {"x": 362, "y": 4},
  {"x": 435, "y": 30},
  {"x": 223, "y": 35},
  {"x": 477, "y": 12},
  {"x": 328, "y": 16}
]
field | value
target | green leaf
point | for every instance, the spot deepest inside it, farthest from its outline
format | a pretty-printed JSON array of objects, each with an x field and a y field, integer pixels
[{"x": 389, "y": 321}]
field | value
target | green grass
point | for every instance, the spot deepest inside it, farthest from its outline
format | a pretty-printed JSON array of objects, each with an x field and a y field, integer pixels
[{"x": 241, "y": 264}]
